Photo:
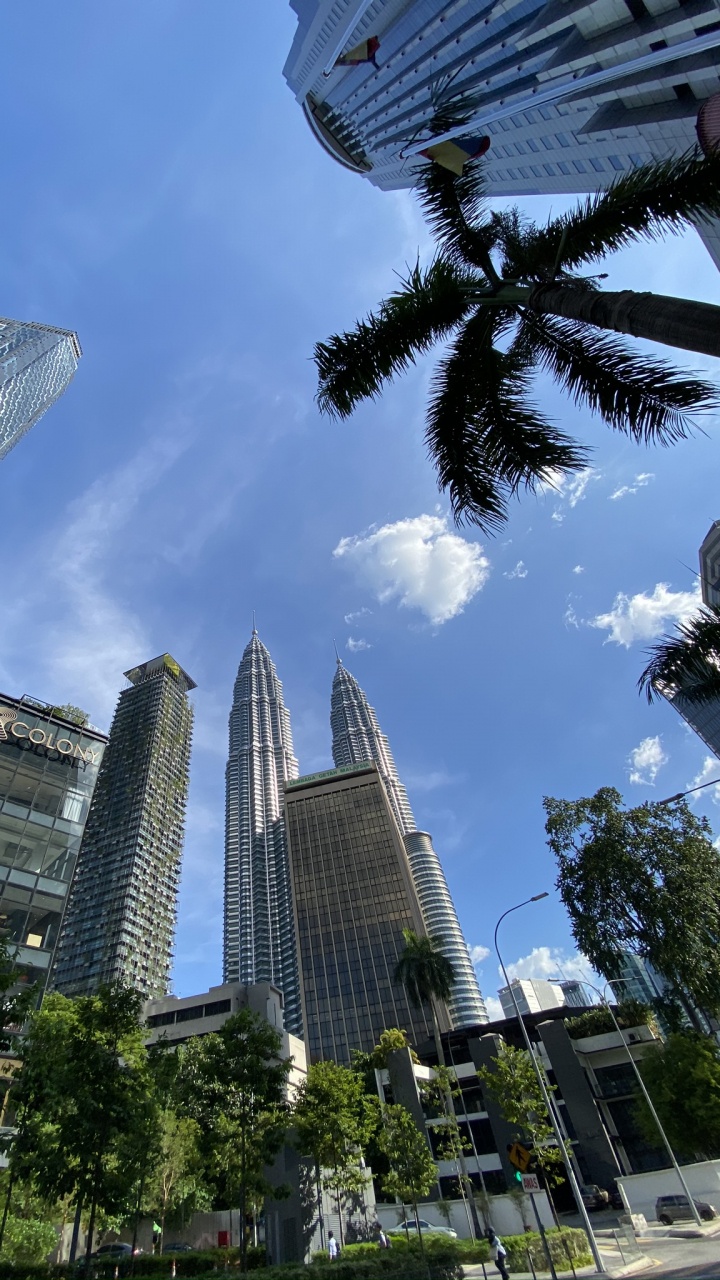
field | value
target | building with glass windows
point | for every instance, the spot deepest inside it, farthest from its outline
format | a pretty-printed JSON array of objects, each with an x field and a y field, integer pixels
[
  {"x": 120, "y": 919},
  {"x": 353, "y": 894},
  {"x": 37, "y": 363},
  {"x": 48, "y": 770},
  {"x": 570, "y": 93},
  {"x": 259, "y": 940},
  {"x": 357, "y": 737},
  {"x": 704, "y": 717}
]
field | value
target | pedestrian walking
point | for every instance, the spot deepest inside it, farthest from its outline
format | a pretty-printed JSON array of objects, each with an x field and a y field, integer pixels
[
  {"x": 333, "y": 1249},
  {"x": 383, "y": 1240},
  {"x": 498, "y": 1252}
]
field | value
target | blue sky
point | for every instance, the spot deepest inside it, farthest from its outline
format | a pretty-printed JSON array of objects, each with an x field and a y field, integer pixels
[{"x": 165, "y": 198}]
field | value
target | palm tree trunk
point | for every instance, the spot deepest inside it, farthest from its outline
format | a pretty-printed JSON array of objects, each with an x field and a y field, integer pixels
[{"x": 676, "y": 322}]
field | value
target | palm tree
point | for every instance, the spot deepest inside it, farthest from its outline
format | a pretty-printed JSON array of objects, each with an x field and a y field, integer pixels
[
  {"x": 509, "y": 298},
  {"x": 427, "y": 975},
  {"x": 688, "y": 662}
]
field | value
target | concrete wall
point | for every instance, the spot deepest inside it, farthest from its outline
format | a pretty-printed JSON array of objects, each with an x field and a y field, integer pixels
[
  {"x": 641, "y": 1190},
  {"x": 508, "y": 1215}
]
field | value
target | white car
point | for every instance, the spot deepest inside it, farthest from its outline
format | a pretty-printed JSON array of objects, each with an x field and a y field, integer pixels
[{"x": 424, "y": 1226}]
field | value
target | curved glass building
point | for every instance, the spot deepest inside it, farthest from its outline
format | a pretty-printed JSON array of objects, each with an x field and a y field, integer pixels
[
  {"x": 356, "y": 739},
  {"x": 37, "y": 363},
  {"x": 259, "y": 938}
]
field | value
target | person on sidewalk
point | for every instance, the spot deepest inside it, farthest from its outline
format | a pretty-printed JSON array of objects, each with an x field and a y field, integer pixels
[
  {"x": 333, "y": 1250},
  {"x": 498, "y": 1252}
]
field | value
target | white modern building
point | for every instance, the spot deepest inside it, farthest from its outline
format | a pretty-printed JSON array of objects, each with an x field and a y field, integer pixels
[
  {"x": 532, "y": 995},
  {"x": 37, "y": 363},
  {"x": 570, "y": 93},
  {"x": 259, "y": 934},
  {"x": 357, "y": 738}
]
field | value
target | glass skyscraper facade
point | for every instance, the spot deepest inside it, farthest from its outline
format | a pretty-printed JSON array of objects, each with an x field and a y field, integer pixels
[
  {"x": 356, "y": 738},
  {"x": 120, "y": 919},
  {"x": 37, "y": 363},
  {"x": 353, "y": 895},
  {"x": 259, "y": 937},
  {"x": 570, "y": 94},
  {"x": 48, "y": 771}
]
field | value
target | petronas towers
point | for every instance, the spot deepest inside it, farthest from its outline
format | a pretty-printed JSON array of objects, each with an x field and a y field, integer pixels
[{"x": 260, "y": 935}]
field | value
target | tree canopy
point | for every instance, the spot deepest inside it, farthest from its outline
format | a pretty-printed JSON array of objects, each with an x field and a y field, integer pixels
[
  {"x": 682, "y": 1077},
  {"x": 687, "y": 662},
  {"x": 513, "y": 1085},
  {"x": 511, "y": 299},
  {"x": 644, "y": 880}
]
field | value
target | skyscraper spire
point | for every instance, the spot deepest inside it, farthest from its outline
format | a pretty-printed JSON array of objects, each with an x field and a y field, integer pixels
[
  {"x": 259, "y": 941},
  {"x": 357, "y": 737}
]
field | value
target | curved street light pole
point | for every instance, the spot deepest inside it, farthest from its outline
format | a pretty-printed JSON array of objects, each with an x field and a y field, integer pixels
[
  {"x": 600, "y": 1265},
  {"x": 646, "y": 1095}
]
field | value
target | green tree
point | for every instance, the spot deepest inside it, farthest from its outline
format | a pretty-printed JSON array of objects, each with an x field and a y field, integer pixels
[
  {"x": 82, "y": 1101},
  {"x": 233, "y": 1084},
  {"x": 427, "y": 975},
  {"x": 644, "y": 880},
  {"x": 513, "y": 1085},
  {"x": 688, "y": 662},
  {"x": 682, "y": 1077},
  {"x": 511, "y": 299},
  {"x": 69, "y": 711},
  {"x": 412, "y": 1168},
  {"x": 448, "y": 1141},
  {"x": 177, "y": 1176},
  {"x": 335, "y": 1119}
]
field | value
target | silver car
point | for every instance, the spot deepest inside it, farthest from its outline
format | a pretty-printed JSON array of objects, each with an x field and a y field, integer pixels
[
  {"x": 424, "y": 1226},
  {"x": 669, "y": 1209}
]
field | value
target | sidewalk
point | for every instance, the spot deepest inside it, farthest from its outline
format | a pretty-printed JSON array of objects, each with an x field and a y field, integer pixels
[{"x": 616, "y": 1265}]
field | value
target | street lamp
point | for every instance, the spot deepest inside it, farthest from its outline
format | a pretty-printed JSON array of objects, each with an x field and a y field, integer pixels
[
  {"x": 681, "y": 796},
  {"x": 646, "y": 1095},
  {"x": 600, "y": 1265}
]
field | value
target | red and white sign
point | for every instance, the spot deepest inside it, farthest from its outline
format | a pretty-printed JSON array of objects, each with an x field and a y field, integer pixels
[{"x": 530, "y": 1182}]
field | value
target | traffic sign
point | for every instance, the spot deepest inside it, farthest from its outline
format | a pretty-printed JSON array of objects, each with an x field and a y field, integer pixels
[
  {"x": 530, "y": 1182},
  {"x": 519, "y": 1156}
]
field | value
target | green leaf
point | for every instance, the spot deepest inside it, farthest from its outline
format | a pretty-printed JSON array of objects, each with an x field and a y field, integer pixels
[{"x": 686, "y": 664}]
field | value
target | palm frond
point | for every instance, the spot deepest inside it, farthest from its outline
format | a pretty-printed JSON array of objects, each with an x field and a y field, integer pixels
[
  {"x": 353, "y": 366},
  {"x": 645, "y": 398},
  {"x": 453, "y": 207},
  {"x": 645, "y": 203},
  {"x": 688, "y": 663},
  {"x": 485, "y": 437}
]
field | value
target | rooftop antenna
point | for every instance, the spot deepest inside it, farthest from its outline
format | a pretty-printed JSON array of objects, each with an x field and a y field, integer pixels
[
  {"x": 254, "y": 630},
  {"x": 337, "y": 655}
]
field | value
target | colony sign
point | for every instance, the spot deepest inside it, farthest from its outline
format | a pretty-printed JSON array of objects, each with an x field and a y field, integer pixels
[{"x": 12, "y": 728}]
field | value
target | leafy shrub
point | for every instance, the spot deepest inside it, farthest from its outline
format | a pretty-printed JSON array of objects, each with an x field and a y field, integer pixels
[
  {"x": 559, "y": 1243},
  {"x": 597, "y": 1021},
  {"x": 27, "y": 1241}
]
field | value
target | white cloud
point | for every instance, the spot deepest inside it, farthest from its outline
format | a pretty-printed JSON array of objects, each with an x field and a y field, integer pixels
[
  {"x": 430, "y": 781},
  {"x": 478, "y": 954},
  {"x": 557, "y": 516},
  {"x": 709, "y": 771},
  {"x": 551, "y": 963},
  {"x": 645, "y": 760},
  {"x": 356, "y": 646},
  {"x": 578, "y": 569},
  {"x": 350, "y": 618},
  {"x": 639, "y": 482},
  {"x": 570, "y": 617},
  {"x": 420, "y": 563},
  {"x": 643, "y": 616},
  {"x": 518, "y": 572},
  {"x": 494, "y": 1008},
  {"x": 574, "y": 490}
]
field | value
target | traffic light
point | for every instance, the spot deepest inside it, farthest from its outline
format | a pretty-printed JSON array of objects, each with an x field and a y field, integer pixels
[{"x": 518, "y": 1176}]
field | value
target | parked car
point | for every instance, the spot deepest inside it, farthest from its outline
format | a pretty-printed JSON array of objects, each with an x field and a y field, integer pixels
[
  {"x": 616, "y": 1200},
  {"x": 116, "y": 1249},
  {"x": 669, "y": 1209},
  {"x": 424, "y": 1226},
  {"x": 593, "y": 1196},
  {"x": 177, "y": 1247}
]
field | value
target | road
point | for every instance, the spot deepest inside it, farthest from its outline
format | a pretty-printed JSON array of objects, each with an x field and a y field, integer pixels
[{"x": 683, "y": 1259}]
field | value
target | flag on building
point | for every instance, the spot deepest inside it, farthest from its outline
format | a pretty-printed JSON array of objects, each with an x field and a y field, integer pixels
[
  {"x": 363, "y": 52},
  {"x": 456, "y": 152}
]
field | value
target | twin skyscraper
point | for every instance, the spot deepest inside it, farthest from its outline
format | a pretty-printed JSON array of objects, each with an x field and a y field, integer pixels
[{"x": 322, "y": 873}]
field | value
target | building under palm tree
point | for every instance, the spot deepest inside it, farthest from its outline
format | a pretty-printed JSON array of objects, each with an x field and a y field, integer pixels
[
  {"x": 704, "y": 717},
  {"x": 568, "y": 95}
]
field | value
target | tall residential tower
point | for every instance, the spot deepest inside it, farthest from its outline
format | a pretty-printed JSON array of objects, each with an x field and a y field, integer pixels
[
  {"x": 704, "y": 717},
  {"x": 569, "y": 93},
  {"x": 259, "y": 943},
  {"x": 357, "y": 738},
  {"x": 120, "y": 918},
  {"x": 37, "y": 364}
]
